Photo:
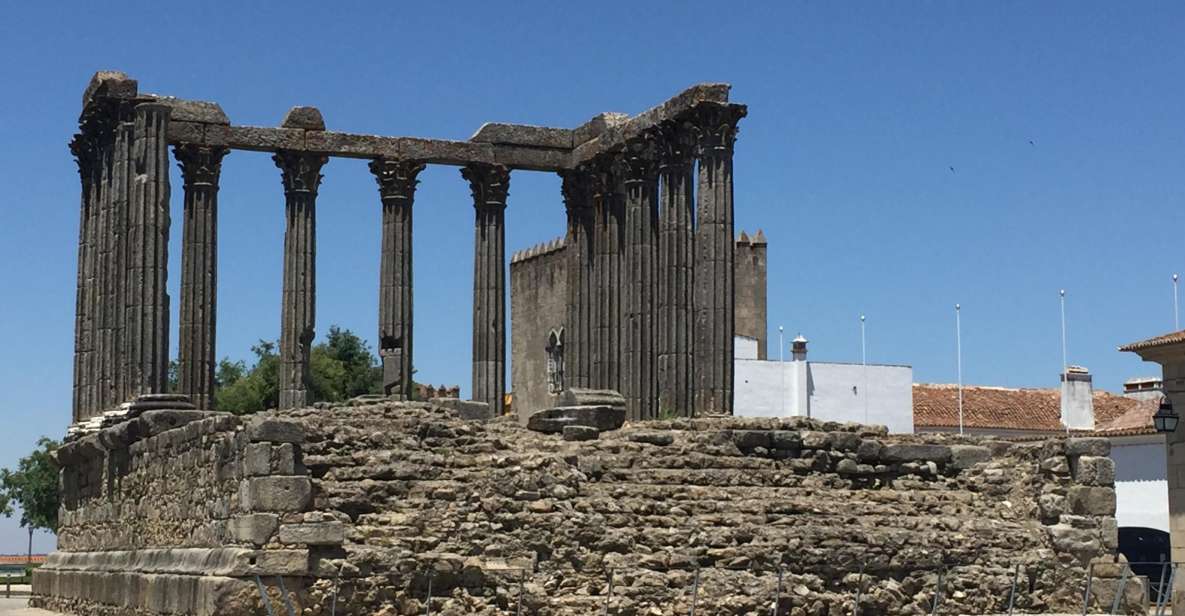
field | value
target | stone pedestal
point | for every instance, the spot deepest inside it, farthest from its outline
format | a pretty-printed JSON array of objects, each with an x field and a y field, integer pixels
[{"x": 489, "y": 185}]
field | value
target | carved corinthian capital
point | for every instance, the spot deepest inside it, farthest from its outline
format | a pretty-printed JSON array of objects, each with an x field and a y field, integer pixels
[
  {"x": 82, "y": 146},
  {"x": 200, "y": 164},
  {"x": 675, "y": 143},
  {"x": 397, "y": 179},
  {"x": 639, "y": 158},
  {"x": 575, "y": 189},
  {"x": 490, "y": 184},
  {"x": 300, "y": 171},
  {"x": 716, "y": 126}
]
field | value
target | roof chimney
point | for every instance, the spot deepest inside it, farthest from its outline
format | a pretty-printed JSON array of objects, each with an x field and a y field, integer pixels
[
  {"x": 1077, "y": 399},
  {"x": 798, "y": 348}
]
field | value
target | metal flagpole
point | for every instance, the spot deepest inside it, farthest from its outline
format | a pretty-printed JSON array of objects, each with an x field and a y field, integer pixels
[
  {"x": 1065, "y": 365},
  {"x": 782, "y": 366},
  {"x": 864, "y": 363},
  {"x": 959, "y": 360},
  {"x": 1176, "y": 321}
]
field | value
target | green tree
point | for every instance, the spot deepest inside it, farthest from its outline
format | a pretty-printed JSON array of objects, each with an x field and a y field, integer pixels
[
  {"x": 247, "y": 391},
  {"x": 340, "y": 367},
  {"x": 34, "y": 487}
]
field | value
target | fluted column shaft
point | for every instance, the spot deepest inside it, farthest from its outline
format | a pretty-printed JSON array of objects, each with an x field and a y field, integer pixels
[
  {"x": 578, "y": 256},
  {"x": 675, "y": 254},
  {"x": 86, "y": 149},
  {"x": 146, "y": 327},
  {"x": 489, "y": 185},
  {"x": 124, "y": 179},
  {"x": 714, "y": 283},
  {"x": 301, "y": 175},
  {"x": 200, "y": 168},
  {"x": 397, "y": 186},
  {"x": 639, "y": 339},
  {"x": 609, "y": 231}
]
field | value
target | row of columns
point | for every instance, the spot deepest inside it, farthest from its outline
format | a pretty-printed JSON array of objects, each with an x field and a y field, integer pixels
[
  {"x": 649, "y": 267},
  {"x": 122, "y": 305},
  {"x": 650, "y": 305}
]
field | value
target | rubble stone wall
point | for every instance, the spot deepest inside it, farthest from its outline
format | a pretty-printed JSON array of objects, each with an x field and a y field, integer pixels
[{"x": 393, "y": 502}]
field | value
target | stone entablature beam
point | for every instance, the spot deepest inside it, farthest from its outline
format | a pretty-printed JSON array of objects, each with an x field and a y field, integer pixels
[
  {"x": 536, "y": 148},
  {"x": 489, "y": 185},
  {"x": 397, "y": 188}
]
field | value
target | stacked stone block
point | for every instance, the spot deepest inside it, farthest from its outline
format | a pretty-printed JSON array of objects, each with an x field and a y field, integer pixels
[{"x": 176, "y": 512}]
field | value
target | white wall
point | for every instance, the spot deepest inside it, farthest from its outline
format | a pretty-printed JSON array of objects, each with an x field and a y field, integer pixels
[
  {"x": 767, "y": 389},
  {"x": 744, "y": 347},
  {"x": 1141, "y": 486}
]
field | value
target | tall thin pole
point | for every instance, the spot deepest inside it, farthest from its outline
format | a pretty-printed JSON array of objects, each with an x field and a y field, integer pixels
[
  {"x": 782, "y": 366},
  {"x": 959, "y": 360},
  {"x": 1176, "y": 320},
  {"x": 1065, "y": 362},
  {"x": 864, "y": 363}
]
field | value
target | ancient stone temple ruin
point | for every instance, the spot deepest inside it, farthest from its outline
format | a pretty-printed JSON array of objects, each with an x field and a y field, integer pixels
[
  {"x": 391, "y": 506},
  {"x": 650, "y": 220}
]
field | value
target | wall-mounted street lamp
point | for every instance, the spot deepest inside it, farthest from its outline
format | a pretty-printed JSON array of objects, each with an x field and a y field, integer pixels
[{"x": 1165, "y": 418}]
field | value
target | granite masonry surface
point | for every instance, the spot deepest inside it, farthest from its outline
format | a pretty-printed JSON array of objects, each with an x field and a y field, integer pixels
[{"x": 177, "y": 512}]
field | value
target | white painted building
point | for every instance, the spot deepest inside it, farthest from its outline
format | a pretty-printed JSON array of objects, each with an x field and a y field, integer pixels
[{"x": 873, "y": 393}]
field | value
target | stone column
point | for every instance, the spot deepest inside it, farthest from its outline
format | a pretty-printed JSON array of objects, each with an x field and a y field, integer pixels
[
  {"x": 609, "y": 205},
  {"x": 675, "y": 249},
  {"x": 714, "y": 283},
  {"x": 397, "y": 187},
  {"x": 200, "y": 167},
  {"x": 146, "y": 329},
  {"x": 301, "y": 174},
  {"x": 641, "y": 226},
  {"x": 125, "y": 178},
  {"x": 490, "y": 185},
  {"x": 85, "y": 147},
  {"x": 578, "y": 255}
]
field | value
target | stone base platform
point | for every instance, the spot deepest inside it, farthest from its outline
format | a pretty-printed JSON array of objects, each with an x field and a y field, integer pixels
[{"x": 407, "y": 507}]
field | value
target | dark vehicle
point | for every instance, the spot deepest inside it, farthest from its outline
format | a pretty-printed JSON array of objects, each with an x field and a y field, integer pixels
[{"x": 1147, "y": 547}]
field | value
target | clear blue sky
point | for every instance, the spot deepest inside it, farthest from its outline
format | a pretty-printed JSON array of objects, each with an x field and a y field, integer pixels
[{"x": 1063, "y": 122}]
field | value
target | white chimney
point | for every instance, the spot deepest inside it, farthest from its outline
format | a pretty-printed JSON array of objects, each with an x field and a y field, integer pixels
[
  {"x": 800, "y": 377},
  {"x": 1077, "y": 399}
]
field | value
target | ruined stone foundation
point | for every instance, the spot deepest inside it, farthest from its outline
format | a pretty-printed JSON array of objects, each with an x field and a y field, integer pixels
[{"x": 378, "y": 507}]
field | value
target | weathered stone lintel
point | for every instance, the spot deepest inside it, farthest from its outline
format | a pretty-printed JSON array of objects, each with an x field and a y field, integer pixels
[{"x": 536, "y": 148}]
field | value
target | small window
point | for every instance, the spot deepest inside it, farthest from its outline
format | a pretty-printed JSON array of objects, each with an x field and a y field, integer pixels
[{"x": 555, "y": 361}]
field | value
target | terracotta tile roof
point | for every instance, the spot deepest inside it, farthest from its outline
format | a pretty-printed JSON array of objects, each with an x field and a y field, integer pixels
[
  {"x": 21, "y": 559},
  {"x": 1002, "y": 408},
  {"x": 1155, "y": 342}
]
